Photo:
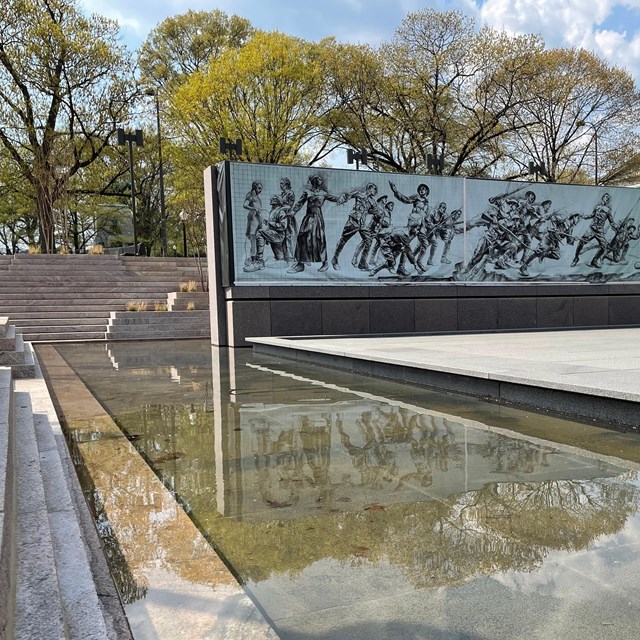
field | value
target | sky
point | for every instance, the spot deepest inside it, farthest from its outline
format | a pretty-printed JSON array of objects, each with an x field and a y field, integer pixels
[{"x": 610, "y": 28}]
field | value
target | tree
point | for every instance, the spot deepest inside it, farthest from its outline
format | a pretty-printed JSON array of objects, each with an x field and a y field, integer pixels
[
  {"x": 439, "y": 89},
  {"x": 184, "y": 44},
  {"x": 270, "y": 93},
  {"x": 575, "y": 97},
  {"x": 64, "y": 83},
  {"x": 17, "y": 228}
]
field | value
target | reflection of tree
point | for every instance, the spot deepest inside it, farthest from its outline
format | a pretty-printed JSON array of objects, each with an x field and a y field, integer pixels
[
  {"x": 563, "y": 514},
  {"x": 177, "y": 440},
  {"x": 152, "y": 530},
  {"x": 502, "y": 527},
  {"x": 129, "y": 589}
]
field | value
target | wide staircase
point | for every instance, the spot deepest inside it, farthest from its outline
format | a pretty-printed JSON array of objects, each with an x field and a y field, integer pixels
[
  {"x": 71, "y": 297},
  {"x": 54, "y": 581}
]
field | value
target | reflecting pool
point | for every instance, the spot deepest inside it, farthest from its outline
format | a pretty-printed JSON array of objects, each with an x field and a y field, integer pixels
[{"x": 350, "y": 507}]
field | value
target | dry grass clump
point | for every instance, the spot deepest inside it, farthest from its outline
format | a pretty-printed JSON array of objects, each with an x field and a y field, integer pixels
[
  {"x": 134, "y": 305},
  {"x": 96, "y": 250},
  {"x": 191, "y": 306},
  {"x": 189, "y": 287},
  {"x": 34, "y": 250},
  {"x": 160, "y": 306}
]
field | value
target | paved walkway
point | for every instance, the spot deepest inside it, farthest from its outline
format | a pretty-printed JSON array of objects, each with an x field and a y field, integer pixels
[{"x": 589, "y": 367}]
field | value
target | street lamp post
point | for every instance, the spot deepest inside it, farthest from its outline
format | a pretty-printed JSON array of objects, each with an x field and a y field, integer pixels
[
  {"x": 183, "y": 219},
  {"x": 130, "y": 138},
  {"x": 163, "y": 214}
]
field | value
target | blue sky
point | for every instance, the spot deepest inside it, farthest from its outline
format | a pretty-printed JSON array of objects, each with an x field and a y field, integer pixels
[{"x": 611, "y": 28}]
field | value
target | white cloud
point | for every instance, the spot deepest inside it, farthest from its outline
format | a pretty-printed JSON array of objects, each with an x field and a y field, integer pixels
[
  {"x": 569, "y": 23},
  {"x": 561, "y": 22}
]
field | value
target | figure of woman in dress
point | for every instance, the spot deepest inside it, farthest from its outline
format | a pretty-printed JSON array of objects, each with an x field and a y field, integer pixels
[
  {"x": 287, "y": 199},
  {"x": 311, "y": 244}
]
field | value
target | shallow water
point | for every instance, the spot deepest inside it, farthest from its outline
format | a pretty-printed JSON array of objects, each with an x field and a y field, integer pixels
[{"x": 350, "y": 507}]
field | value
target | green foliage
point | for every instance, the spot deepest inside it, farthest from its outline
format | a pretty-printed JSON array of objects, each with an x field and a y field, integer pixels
[
  {"x": 64, "y": 82},
  {"x": 184, "y": 44},
  {"x": 440, "y": 87}
]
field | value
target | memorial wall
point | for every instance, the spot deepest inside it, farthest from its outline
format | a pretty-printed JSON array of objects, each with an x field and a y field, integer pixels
[
  {"x": 309, "y": 251},
  {"x": 300, "y": 225}
]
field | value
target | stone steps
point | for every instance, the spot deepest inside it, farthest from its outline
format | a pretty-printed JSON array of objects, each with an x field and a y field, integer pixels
[
  {"x": 59, "y": 328},
  {"x": 38, "y": 603},
  {"x": 31, "y": 314},
  {"x": 179, "y": 300},
  {"x": 158, "y": 325},
  {"x": 66, "y": 288},
  {"x": 96, "y": 298},
  {"x": 15, "y": 353},
  {"x": 73, "y": 320},
  {"x": 45, "y": 309},
  {"x": 47, "y": 538},
  {"x": 73, "y": 336}
]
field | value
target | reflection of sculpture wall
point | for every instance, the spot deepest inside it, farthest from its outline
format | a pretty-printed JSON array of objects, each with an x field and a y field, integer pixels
[
  {"x": 301, "y": 225},
  {"x": 396, "y": 253},
  {"x": 306, "y": 457},
  {"x": 365, "y": 480}
]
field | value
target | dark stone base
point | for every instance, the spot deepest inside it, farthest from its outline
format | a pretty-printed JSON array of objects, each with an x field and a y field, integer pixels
[{"x": 449, "y": 307}]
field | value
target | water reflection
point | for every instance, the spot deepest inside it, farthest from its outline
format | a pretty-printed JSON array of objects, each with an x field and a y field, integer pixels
[{"x": 307, "y": 481}]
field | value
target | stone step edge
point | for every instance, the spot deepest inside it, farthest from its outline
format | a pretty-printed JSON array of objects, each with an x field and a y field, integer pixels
[
  {"x": 65, "y": 337},
  {"x": 38, "y": 605},
  {"x": 63, "y": 328},
  {"x": 12, "y": 357},
  {"x": 110, "y": 602},
  {"x": 83, "y": 612},
  {"x": 27, "y": 369},
  {"x": 8, "y": 341},
  {"x": 193, "y": 335},
  {"x": 7, "y": 504}
]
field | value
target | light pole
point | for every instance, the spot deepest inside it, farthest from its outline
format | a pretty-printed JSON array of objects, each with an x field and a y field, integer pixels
[
  {"x": 537, "y": 169},
  {"x": 232, "y": 148},
  {"x": 163, "y": 214},
  {"x": 130, "y": 138},
  {"x": 435, "y": 165},
  {"x": 360, "y": 156},
  {"x": 582, "y": 123},
  {"x": 183, "y": 219}
]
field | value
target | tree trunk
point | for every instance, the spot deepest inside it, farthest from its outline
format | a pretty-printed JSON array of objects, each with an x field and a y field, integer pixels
[{"x": 46, "y": 221}]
